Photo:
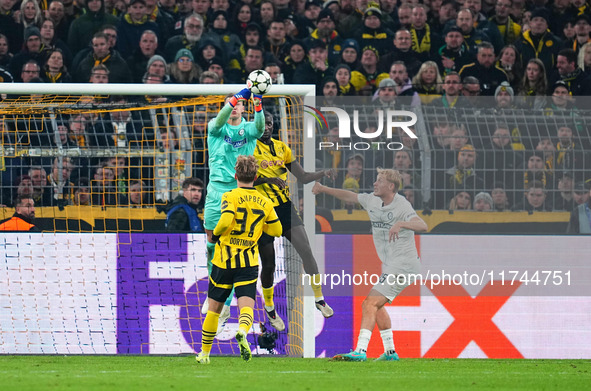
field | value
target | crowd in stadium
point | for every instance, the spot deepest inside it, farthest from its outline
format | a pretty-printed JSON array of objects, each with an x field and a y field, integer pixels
[{"x": 440, "y": 54}]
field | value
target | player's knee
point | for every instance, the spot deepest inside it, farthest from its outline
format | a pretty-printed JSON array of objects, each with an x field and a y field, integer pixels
[{"x": 369, "y": 305}]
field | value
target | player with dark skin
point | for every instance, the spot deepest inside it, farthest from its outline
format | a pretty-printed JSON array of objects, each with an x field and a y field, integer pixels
[{"x": 294, "y": 230}]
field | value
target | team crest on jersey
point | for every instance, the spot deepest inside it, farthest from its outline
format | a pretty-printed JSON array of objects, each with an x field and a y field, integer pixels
[
  {"x": 390, "y": 215},
  {"x": 241, "y": 132}
]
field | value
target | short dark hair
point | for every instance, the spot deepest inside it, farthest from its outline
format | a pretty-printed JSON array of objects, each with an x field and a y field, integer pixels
[
  {"x": 570, "y": 54},
  {"x": 20, "y": 198},
  {"x": 192, "y": 182}
]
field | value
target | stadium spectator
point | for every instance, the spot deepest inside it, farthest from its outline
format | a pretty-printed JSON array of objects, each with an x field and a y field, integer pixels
[
  {"x": 405, "y": 91},
  {"x": 534, "y": 86},
  {"x": 424, "y": 38},
  {"x": 157, "y": 67},
  {"x": 462, "y": 200},
  {"x": 427, "y": 82},
  {"x": 82, "y": 192},
  {"x": 9, "y": 27},
  {"x": 5, "y": 55},
  {"x": 59, "y": 180},
  {"x": 184, "y": 70},
  {"x": 482, "y": 24},
  {"x": 535, "y": 199},
  {"x": 61, "y": 24},
  {"x": 570, "y": 153},
  {"x": 296, "y": 57},
  {"x": 30, "y": 14},
  {"x": 582, "y": 27},
  {"x": 373, "y": 32},
  {"x": 567, "y": 70},
  {"x": 500, "y": 158},
  {"x": 484, "y": 68},
  {"x": 162, "y": 19},
  {"x": 564, "y": 200},
  {"x": 268, "y": 13},
  {"x": 132, "y": 26},
  {"x": 581, "y": 192},
  {"x": 182, "y": 212},
  {"x": 471, "y": 92},
  {"x": 209, "y": 77},
  {"x": 54, "y": 69},
  {"x": 466, "y": 21},
  {"x": 219, "y": 25},
  {"x": 138, "y": 194},
  {"x": 208, "y": 50},
  {"x": 452, "y": 86},
  {"x": 253, "y": 60},
  {"x": 49, "y": 42},
  {"x": 500, "y": 198},
  {"x": 102, "y": 54},
  {"x": 386, "y": 94},
  {"x": 343, "y": 77},
  {"x": 401, "y": 52},
  {"x": 404, "y": 16},
  {"x": 504, "y": 97},
  {"x": 41, "y": 194},
  {"x": 217, "y": 65},
  {"x": 510, "y": 30},
  {"x": 23, "y": 218},
  {"x": 535, "y": 170},
  {"x": 350, "y": 53},
  {"x": 104, "y": 190},
  {"x": 452, "y": 56},
  {"x": 580, "y": 218},
  {"x": 462, "y": 176},
  {"x": 23, "y": 187},
  {"x": 138, "y": 61},
  {"x": 316, "y": 69},
  {"x": 483, "y": 202},
  {"x": 29, "y": 71},
  {"x": 240, "y": 19},
  {"x": 83, "y": 29},
  {"x": 508, "y": 61},
  {"x": 193, "y": 28},
  {"x": 367, "y": 77},
  {"x": 326, "y": 32},
  {"x": 99, "y": 74},
  {"x": 31, "y": 52},
  {"x": 539, "y": 42}
]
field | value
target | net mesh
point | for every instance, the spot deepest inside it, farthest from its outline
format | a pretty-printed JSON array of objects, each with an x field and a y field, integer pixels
[{"x": 106, "y": 164}]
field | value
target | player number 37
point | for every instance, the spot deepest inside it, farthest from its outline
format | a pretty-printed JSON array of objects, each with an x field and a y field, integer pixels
[{"x": 241, "y": 222}]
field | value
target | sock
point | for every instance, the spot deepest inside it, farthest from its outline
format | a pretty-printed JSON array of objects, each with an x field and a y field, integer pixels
[
  {"x": 246, "y": 319},
  {"x": 210, "y": 327},
  {"x": 388, "y": 341},
  {"x": 268, "y": 296},
  {"x": 316, "y": 287},
  {"x": 210, "y": 252},
  {"x": 363, "y": 340}
]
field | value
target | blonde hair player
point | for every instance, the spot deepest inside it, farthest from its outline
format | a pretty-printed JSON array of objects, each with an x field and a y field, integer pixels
[{"x": 394, "y": 223}]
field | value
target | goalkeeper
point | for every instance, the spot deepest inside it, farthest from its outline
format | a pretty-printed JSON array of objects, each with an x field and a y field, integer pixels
[
  {"x": 228, "y": 136},
  {"x": 274, "y": 158},
  {"x": 245, "y": 214}
]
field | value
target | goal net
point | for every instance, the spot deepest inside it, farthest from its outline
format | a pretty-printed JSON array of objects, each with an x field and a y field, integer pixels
[{"x": 101, "y": 161}]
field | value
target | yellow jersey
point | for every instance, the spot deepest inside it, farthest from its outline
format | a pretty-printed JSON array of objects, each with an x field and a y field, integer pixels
[
  {"x": 246, "y": 214},
  {"x": 272, "y": 160}
]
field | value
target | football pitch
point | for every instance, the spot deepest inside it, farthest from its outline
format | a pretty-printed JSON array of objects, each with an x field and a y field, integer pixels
[{"x": 145, "y": 373}]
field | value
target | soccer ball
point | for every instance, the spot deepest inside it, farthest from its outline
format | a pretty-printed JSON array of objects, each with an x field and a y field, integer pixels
[{"x": 258, "y": 82}]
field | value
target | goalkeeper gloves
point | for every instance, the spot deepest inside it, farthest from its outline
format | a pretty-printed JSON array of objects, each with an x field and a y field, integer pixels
[
  {"x": 243, "y": 94},
  {"x": 258, "y": 102}
]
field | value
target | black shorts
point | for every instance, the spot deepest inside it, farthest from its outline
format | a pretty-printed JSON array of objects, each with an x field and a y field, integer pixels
[
  {"x": 243, "y": 279},
  {"x": 288, "y": 216}
]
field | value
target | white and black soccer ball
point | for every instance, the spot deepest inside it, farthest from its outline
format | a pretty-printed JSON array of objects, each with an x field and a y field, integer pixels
[{"x": 259, "y": 82}]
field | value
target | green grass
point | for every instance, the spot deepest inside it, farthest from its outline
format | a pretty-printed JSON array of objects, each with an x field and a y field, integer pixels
[{"x": 144, "y": 373}]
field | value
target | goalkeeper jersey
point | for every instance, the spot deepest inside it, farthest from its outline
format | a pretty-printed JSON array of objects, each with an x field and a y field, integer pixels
[
  {"x": 226, "y": 142},
  {"x": 246, "y": 214},
  {"x": 272, "y": 159}
]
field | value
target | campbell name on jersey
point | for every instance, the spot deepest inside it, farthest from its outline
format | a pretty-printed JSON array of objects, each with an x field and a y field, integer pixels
[
  {"x": 272, "y": 161},
  {"x": 399, "y": 256},
  {"x": 250, "y": 211}
]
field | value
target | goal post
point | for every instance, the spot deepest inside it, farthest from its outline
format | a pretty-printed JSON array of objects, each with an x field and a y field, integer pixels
[{"x": 52, "y": 104}]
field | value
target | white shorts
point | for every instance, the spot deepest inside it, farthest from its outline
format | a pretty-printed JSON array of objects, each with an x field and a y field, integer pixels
[{"x": 390, "y": 285}]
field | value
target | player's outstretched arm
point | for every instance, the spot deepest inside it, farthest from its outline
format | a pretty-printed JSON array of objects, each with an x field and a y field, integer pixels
[
  {"x": 343, "y": 195},
  {"x": 306, "y": 177},
  {"x": 216, "y": 124}
]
